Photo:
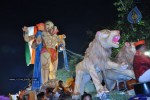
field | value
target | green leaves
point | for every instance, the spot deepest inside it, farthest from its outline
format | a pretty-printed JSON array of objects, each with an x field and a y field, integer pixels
[
  {"x": 121, "y": 15},
  {"x": 120, "y": 8},
  {"x": 131, "y": 32},
  {"x": 117, "y": 3},
  {"x": 63, "y": 74},
  {"x": 142, "y": 23}
]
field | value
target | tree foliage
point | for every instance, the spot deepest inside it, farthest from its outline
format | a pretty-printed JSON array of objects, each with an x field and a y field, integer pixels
[
  {"x": 132, "y": 32},
  {"x": 63, "y": 74}
]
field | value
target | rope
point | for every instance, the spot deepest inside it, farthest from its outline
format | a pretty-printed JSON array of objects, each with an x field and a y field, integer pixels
[
  {"x": 74, "y": 53},
  {"x": 69, "y": 54}
]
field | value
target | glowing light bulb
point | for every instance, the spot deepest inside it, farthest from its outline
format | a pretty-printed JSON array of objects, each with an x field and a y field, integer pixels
[{"x": 147, "y": 53}]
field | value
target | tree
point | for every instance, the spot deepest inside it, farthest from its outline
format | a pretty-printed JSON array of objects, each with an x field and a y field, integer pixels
[{"x": 133, "y": 32}]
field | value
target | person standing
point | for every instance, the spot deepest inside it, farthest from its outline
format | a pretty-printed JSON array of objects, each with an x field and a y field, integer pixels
[{"x": 141, "y": 62}]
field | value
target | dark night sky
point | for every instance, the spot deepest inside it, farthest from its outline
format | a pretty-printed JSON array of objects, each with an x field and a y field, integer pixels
[{"x": 73, "y": 17}]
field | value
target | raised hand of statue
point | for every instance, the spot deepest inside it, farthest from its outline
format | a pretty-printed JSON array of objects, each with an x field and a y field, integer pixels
[
  {"x": 26, "y": 37},
  {"x": 64, "y": 36},
  {"x": 62, "y": 41},
  {"x": 25, "y": 29}
]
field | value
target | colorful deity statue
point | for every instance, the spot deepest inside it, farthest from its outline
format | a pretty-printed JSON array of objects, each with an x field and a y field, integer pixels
[
  {"x": 49, "y": 53},
  {"x": 45, "y": 41}
]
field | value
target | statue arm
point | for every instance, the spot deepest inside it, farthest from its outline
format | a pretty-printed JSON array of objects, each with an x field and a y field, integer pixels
[
  {"x": 61, "y": 39},
  {"x": 62, "y": 42},
  {"x": 34, "y": 45},
  {"x": 112, "y": 65},
  {"x": 37, "y": 41},
  {"x": 26, "y": 37}
]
